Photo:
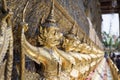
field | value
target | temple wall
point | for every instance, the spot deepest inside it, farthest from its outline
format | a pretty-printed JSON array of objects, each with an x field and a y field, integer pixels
[
  {"x": 67, "y": 13},
  {"x": 67, "y": 51},
  {"x": 76, "y": 10}
]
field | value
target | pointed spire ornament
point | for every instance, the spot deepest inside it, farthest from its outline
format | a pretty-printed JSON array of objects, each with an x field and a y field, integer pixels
[{"x": 50, "y": 21}]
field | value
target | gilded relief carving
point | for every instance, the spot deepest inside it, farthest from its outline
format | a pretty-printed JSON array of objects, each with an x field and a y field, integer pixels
[
  {"x": 45, "y": 55},
  {"x": 49, "y": 33},
  {"x": 71, "y": 41},
  {"x": 6, "y": 42},
  {"x": 61, "y": 53},
  {"x": 48, "y": 55}
]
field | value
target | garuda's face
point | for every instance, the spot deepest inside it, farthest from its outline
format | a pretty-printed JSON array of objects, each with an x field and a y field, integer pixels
[{"x": 52, "y": 30}]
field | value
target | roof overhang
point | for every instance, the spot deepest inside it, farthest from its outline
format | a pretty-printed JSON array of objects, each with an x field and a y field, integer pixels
[{"x": 107, "y": 7}]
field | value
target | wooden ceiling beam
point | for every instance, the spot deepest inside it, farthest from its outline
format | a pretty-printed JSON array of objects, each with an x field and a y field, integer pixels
[
  {"x": 106, "y": 3},
  {"x": 109, "y": 11},
  {"x": 106, "y": 6},
  {"x": 105, "y": 0},
  {"x": 111, "y": 8}
]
